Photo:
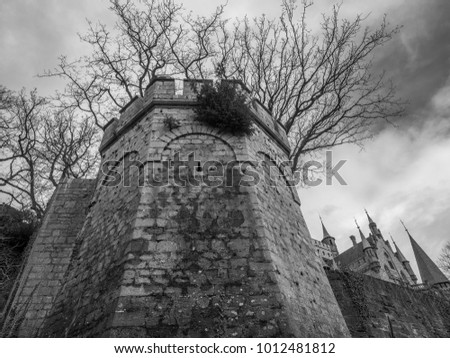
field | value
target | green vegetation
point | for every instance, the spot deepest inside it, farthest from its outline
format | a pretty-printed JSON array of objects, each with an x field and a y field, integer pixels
[{"x": 224, "y": 106}]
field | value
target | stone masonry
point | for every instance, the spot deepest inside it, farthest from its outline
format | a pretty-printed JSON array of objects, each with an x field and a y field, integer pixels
[
  {"x": 376, "y": 308},
  {"x": 196, "y": 258},
  {"x": 43, "y": 272}
]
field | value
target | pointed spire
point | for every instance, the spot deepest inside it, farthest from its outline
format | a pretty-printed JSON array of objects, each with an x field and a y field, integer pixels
[
  {"x": 360, "y": 232},
  {"x": 406, "y": 229},
  {"x": 365, "y": 242},
  {"x": 400, "y": 256},
  {"x": 392, "y": 239},
  {"x": 328, "y": 239},
  {"x": 324, "y": 229},
  {"x": 429, "y": 272},
  {"x": 369, "y": 218}
]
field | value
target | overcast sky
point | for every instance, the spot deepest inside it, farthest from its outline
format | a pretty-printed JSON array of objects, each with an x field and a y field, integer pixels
[{"x": 404, "y": 173}]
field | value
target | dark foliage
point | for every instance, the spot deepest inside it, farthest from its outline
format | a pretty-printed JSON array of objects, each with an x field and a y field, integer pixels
[
  {"x": 16, "y": 229},
  {"x": 224, "y": 106}
]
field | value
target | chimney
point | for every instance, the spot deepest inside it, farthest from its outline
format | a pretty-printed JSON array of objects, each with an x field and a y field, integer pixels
[{"x": 353, "y": 238}]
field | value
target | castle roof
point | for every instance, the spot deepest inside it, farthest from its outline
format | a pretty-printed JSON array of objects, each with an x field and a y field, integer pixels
[
  {"x": 429, "y": 272},
  {"x": 365, "y": 243},
  {"x": 350, "y": 255},
  {"x": 355, "y": 252},
  {"x": 369, "y": 218},
  {"x": 398, "y": 253},
  {"x": 324, "y": 229}
]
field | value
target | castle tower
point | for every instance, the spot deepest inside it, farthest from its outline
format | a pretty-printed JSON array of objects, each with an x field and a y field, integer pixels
[
  {"x": 376, "y": 233},
  {"x": 184, "y": 236},
  {"x": 404, "y": 262},
  {"x": 429, "y": 272},
  {"x": 328, "y": 239},
  {"x": 369, "y": 252}
]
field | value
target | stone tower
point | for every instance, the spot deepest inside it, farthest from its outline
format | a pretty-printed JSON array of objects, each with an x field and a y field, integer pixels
[
  {"x": 376, "y": 233},
  {"x": 328, "y": 239},
  {"x": 369, "y": 252},
  {"x": 185, "y": 236}
]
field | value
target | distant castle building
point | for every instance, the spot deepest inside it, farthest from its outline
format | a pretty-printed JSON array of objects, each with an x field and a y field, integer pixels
[{"x": 374, "y": 256}]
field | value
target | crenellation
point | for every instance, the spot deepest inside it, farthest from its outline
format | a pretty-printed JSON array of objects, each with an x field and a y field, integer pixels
[
  {"x": 161, "y": 91},
  {"x": 168, "y": 252},
  {"x": 130, "y": 111}
]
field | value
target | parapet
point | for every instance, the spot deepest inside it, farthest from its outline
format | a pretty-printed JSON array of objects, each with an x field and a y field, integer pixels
[{"x": 170, "y": 92}]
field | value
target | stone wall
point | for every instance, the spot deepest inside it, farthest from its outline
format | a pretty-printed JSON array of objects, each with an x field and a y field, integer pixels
[
  {"x": 298, "y": 272},
  {"x": 43, "y": 271},
  {"x": 376, "y": 308},
  {"x": 203, "y": 259},
  {"x": 394, "y": 273}
]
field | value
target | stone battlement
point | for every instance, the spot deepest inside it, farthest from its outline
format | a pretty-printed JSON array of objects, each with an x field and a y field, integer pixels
[
  {"x": 176, "y": 253},
  {"x": 168, "y": 92}
]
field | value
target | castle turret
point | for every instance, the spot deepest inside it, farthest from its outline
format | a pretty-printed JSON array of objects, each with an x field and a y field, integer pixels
[
  {"x": 376, "y": 233},
  {"x": 369, "y": 251},
  {"x": 371, "y": 222},
  {"x": 404, "y": 262},
  {"x": 164, "y": 249},
  {"x": 328, "y": 239},
  {"x": 429, "y": 272}
]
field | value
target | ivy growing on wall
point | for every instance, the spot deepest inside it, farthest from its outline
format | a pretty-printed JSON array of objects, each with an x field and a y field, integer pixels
[
  {"x": 223, "y": 105},
  {"x": 440, "y": 301},
  {"x": 355, "y": 286}
]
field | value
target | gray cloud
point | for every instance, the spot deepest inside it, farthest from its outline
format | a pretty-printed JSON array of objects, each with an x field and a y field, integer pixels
[
  {"x": 418, "y": 58},
  {"x": 404, "y": 172},
  {"x": 34, "y": 33}
]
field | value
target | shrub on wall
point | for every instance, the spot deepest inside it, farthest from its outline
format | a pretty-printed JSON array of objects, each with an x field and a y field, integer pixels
[{"x": 224, "y": 106}]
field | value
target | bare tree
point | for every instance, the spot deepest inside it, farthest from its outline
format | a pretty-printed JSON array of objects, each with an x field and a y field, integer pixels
[
  {"x": 149, "y": 39},
  {"x": 9, "y": 265},
  {"x": 320, "y": 87},
  {"x": 5, "y": 98},
  {"x": 40, "y": 145},
  {"x": 16, "y": 229},
  {"x": 444, "y": 259}
]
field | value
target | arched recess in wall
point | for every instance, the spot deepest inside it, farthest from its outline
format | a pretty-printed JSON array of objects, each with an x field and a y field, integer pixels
[
  {"x": 267, "y": 162},
  {"x": 204, "y": 156}
]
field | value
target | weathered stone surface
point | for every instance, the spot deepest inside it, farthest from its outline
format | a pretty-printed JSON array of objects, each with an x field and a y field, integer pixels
[
  {"x": 43, "y": 273},
  {"x": 376, "y": 308},
  {"x": 218, "y": 258}
]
